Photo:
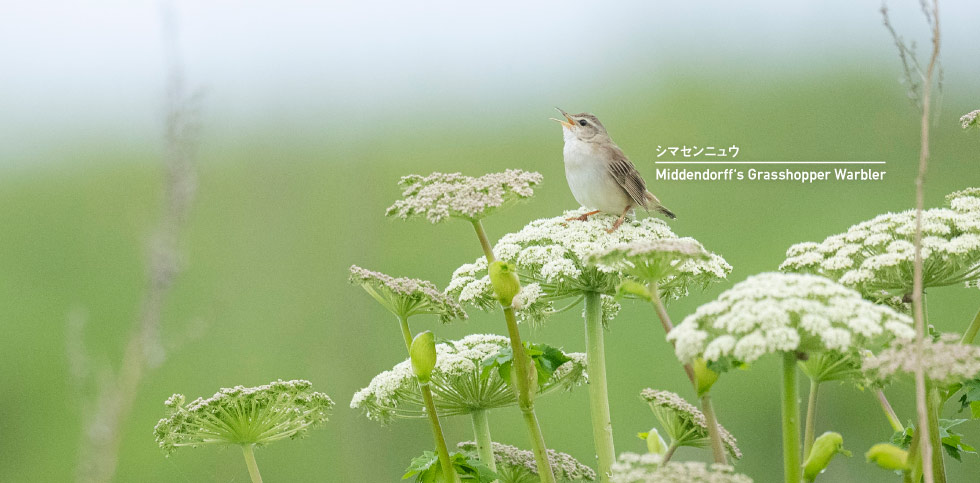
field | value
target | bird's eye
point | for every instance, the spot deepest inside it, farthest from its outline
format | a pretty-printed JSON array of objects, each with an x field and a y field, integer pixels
[{"x": 582, "y": 122}]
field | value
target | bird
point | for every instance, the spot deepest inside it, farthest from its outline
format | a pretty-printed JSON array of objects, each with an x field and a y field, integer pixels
[{"x": 599, "y": 174}]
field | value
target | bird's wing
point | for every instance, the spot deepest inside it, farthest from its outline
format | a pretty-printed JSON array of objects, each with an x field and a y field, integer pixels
[{"x": 627, "y": 176}]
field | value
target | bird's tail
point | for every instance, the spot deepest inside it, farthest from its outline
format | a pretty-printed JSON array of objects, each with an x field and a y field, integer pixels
[
  {"x": 666, "y": 212},
  {"x": 651, "y": 199}
]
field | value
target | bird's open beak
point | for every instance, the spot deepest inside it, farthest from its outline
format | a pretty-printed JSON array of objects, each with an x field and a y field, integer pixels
[{"x": 568, "y": 119}]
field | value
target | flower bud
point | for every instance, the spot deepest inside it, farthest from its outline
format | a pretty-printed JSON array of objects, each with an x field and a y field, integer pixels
[
  {"x": 823, "y": 450},
  {"x": 423, "y": 354},
  {"x": 632, "y": 287},
  {"x": 503, "y": 277},
  {"x": 889, "y": 456},
  {"x": 655, "y": 443},
  {"x": 704, "y": 377}
]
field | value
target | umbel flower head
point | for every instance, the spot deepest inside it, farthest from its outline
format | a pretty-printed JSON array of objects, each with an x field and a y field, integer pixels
[
  {"x": 780, "y": 312},
  {"x": 553, "y": 259},
  {"x": 684, "y": 423},
  {"x": 636, "y": 468},
  {"x": 458, "y": 383},
  {"x": 243, "y": 416},
  {"x": 406, "y": 297},
  {"x": 970, "y": 119},
  {"x": 669, "y": 262},
  {"x": 876, "y": 256},
  {"x": 944, "y": 360},
  {"x": 442, "y": 195},
  {"x": 515, "y": 465}
]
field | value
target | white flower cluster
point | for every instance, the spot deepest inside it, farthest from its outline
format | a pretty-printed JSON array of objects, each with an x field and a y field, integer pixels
[
  {"x": 779, "y": 312},
  {"x": 441, "y": 195},
  {"x": 458, "y": 386},
  {"x": 243, "y": 415},
  {"x": 553, "y": 260},
  {"x": 945, "y": 361},
  {"x": 691, "y": 419},
  {"x": 407, "y": 296},
  {"x": 674, "y": 263},
  {"x": 518, "y": 465},
  {"x": 636, "y": 468},
  {"x": 876, "y": 256},
  {"x": 970, "y": 119}
]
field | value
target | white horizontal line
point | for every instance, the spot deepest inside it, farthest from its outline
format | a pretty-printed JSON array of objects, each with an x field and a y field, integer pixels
[{"x": 769, "y": 162}]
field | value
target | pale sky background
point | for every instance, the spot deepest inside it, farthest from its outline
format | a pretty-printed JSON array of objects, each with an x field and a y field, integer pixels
[{"x": 81, "y": 72}]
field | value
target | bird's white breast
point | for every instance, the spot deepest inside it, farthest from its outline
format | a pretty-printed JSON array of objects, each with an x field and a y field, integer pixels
[{"x": 589, "y": 178}]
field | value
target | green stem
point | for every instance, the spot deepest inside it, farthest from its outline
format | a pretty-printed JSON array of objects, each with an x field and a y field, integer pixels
[
  {"x": 914, "y": 473},
  {"x": 791, "y": 420},
  {"x": 525, "y": 398},
  {"x": 484, "y": 241},
  {"x": 717, "y": 447},
  {"x": 811, "y": 415},
  {"x": 934, "y": 405},
  {"x": 669, "y": 453},
  {"x": 658, "y": 306},
  {"x": 598, "y": 390},
  {"x": 893, "y": 420},
  {"x": 253, "y": 468},
  {"x": 484, "y": 443},
  {"x": 406, "y": 332},
  {"x": 448, "y": 472},
  {"x": 971, "y": 331}
]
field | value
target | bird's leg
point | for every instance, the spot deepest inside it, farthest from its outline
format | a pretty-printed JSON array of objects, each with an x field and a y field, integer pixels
[
  {"x": 619, "y": 221},
  {"x": 583, "y": 217}
]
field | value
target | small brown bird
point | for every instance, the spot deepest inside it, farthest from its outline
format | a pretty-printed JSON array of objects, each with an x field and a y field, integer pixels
[{"x": 599, "y": 173}]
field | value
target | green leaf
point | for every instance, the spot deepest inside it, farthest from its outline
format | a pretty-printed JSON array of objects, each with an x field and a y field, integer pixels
[
  {"x": 951, "y": 440},
  {"x": 547, "y": 360},
  {"x": 470, "y": 468},
  {"x": 420, "y": 464},
  {"x": 726, "y": 364},
  {"x": 971, "y": 395},
  {"x": 428, "y": 469}
]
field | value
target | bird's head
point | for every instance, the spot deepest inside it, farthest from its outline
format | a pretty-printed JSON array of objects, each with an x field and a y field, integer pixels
[{"x": 584, "y": 127}]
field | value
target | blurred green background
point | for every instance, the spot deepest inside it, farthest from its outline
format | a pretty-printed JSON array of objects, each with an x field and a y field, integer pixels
[{"x": 288, "y": 200}]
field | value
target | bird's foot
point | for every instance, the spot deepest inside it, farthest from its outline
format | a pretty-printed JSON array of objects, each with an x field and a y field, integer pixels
[
  {"x": 619, "y": 221},
  {"x": 583, "y": 217}
]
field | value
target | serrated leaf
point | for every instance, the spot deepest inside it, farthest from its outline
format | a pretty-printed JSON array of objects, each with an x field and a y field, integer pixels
[
  {"x": 547, "y": 360},
  {"x": 420, "y": 464},
  {"x": 952, "y": 441},
  {"x": 428, "y": 469}
]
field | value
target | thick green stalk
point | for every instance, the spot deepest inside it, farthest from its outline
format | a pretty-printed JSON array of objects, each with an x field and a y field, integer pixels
[
  {"x": 717, "y": 447},
  {"x": 934, "y": 404},
  {"x": 448, "y": 472},
  {"x": 971, "y": 331},
  {"x": 598, "y": 391},
  {"x": 811, "y": 415},
  {"x": 253, "y": 468},
  {"x": 914, "y": 473},
  {"x": 525, "y": 398},
  {"x": 406, "y": 332},
  {"x": 484, "y": 443},
  {"x": 791, "y": 420}
]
